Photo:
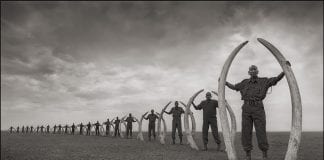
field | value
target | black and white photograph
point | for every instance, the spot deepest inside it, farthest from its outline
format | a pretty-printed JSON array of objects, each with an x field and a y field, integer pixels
[{"x": 161, "y": 80}]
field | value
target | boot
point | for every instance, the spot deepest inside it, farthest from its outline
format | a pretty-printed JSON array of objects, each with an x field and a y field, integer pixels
[
  {"x": 173, "y": 141},
  {"x": 264, "y": 155},
  {"x": 248, "y": 155},
  {"x": 180, "y": 140},
  {"x": 205, "y": 147}
]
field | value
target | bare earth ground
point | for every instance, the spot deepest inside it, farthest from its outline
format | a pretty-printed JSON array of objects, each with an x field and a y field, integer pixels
[{"x": 59, "y": 147}]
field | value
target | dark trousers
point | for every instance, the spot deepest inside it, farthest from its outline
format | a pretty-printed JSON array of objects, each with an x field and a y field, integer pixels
[
  {"x": 254, "y": 113},
  {"x": 88, "y": 131},
  {"x": 73, "y": 131},
  {"x": 97, "y": 131},
  {"x": 176, "y": 124},
  {"x": 107, "y": 130},
  {"x": 151, "y": 128},
  {"x": 212, "y": 121},
  {"x": 129, "y": 131},
  {"x": 117, "y": 131}
]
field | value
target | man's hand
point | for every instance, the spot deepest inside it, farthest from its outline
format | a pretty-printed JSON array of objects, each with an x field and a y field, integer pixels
[{"x": 288, "y": 63}]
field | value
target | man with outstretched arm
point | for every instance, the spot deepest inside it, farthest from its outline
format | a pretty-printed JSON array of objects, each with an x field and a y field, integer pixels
[
  {"x": 116, "y": 122},
  {"x": 129, "y": 126},
  {"x": 253, "y": 91},
  {"x": 176, "y": 112},
  {"x": 151, "y": 126}
]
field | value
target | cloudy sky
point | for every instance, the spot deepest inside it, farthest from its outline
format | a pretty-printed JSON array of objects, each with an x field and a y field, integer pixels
[{"x": 65, "y": 62}]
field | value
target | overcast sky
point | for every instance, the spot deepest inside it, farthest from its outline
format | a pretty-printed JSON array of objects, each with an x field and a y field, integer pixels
[{"x": 65, "y": 62}]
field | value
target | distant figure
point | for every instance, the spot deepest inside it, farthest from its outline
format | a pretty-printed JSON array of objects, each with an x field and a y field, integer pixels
[
  {"x": 107, "y": 123},
  {"x": 42, "y": 129},
  {"x": 17, "y": 129},
  {"x": 47, "y": 128},
  {"x": 31, "y": 129},
  {"x": 73, "y": 127},
  {"x": 23, "y": 129},
  {"x": 129, "y": 128},
  {"x": 81, "y": 128},
  {"x": 151, "y": 126},
  {"x": 253, "y": 91},
  {"x": 176, "y": 121},
  {"x": 116, "y": 122},
  {"x": 60, "y": 129},
  {"x": 27, "y": 129},
  {"x": 97, "y": 125},
  {"x": 209, "y": 118},
  {"x": 54, "y": 129},
  {"x": 66, "y": 129},
  {"x": 88, "y": 129},
  {"x": 37, "y": 129},
  {"x": 11, "y": 129}
]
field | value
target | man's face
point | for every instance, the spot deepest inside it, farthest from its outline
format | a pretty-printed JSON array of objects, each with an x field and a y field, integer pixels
[
  {"x": 130, "y": 115},
  {"x": 208, "y": 96},
  {"x": 253, "y": 71},
  {"x": 152, "y": 111},
  {"x": 176, "y": 103}
]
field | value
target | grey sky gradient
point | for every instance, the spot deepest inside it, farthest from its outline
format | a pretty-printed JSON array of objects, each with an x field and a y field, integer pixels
[{"x": 65, "y": 62}]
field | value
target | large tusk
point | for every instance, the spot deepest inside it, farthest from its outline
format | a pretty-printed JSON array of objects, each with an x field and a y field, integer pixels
[
  {"x": 296, "y": 124},
  {"x": 190, "y": 138},
  {"x": 122, "y": 121},
  {"x": 162, "y": 136},
  {"x": 230, "y": 148},
  {"x": 193, "y": 121},
  {"x": 140, "y": 133},
  {"x": 233, "y": 119}
]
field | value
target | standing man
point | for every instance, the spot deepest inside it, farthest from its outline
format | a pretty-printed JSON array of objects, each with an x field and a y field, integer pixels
[
  {"x": 27, "y": 129},
  {"x": 23, "y": 129},
  {"x": 17, "y": 129},
  {"x": 209, "y": 118},
  {"x": 81, "y": 128},
  {"x": 176, "y": 121},
  {"x": 42, "y": 127},
  {"x": 151, "y": 127},
  {"x": 10, "y": 129},
  {"x": 73, "y": 127},
  {"x": 116, "y": 122},
  {"x": 129, "y": 128},
  {"x": 97, "y": 125},
  {"x": 60, "y": 128},
  {"x": 88, "y": 129},
  {"x": 31, "y": 129},
  {"x": 37, "y": 129},
  {"x": 253, "y": 91},
  {"x": 107, "y": 123},
  {"x": 47, "y": 128},
  {"x": 54, "y": 129},
  {"x": 66, "y": 129}
]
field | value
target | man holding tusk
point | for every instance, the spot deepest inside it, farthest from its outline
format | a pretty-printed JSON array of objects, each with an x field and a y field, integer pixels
[
  {"x": 129, "y": 128},
  {"x": 116, "y": 122},
  {"x": 97, "y": 125},
  {"x": 176, "y": 112},
  {"x": 151, "y": 127},
  {"x": 209, "y": 118},
  {"x": 107, "y": 123},
  {"x": 253, "y": 91}
]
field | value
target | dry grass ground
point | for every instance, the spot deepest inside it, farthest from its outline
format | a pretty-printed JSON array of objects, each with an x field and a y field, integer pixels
[{"x": 67, "y": 147}]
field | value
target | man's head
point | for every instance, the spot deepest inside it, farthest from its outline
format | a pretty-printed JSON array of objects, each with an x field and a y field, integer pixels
[
  {"x": 176, "y": 103},
  {"x": 130, "y": 115},
  {"x": 152, "y": 111},
  {"x": 208, "y": 95},
  {"x": 253, "y": 71},
  {"x": 116, "y": 117}
]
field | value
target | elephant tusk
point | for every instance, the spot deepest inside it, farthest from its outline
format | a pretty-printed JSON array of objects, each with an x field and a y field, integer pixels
[{"x": 162, "y": 136}]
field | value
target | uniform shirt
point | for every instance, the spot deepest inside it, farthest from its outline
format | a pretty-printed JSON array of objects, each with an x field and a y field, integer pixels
[
  {"x": 117, "y": 123},
  {"x": 208, "y": 107},
  {"x": 151, "y": 117},
  {"x": 97, "y": 125},
  {"x": 256, "y": 89},
  {"x": 176, "y": 112},
  {"x": 129, "y": 121}
]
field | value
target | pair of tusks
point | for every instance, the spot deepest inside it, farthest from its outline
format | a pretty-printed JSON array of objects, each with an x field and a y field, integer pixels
[
  {"x": 190, "y": 134},
  {"x": 162, "y": 134},
  {"x": 122, "y": 121},
  {"x": 140, "y": 134},
  {"x": 296, "y": 128}
]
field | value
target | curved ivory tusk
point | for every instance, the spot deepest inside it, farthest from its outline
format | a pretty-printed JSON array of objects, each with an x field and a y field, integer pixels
[
  {"x": 190, "y": 138},
  {"x": 162, "y": 135},
  {"x": 122, "y": 121},
  {"x": 140, "y": 133},
  {"x": 230, "y": 148},
  {"x": 193, "y": 121},
  {"x": 233, "y": 119},
  {"x": 296, "y": 127}
]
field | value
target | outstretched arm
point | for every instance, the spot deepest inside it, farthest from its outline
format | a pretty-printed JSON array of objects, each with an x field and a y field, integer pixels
[
  {"x": 274, "y": 80},
  {"x": 168, "y": 112}
]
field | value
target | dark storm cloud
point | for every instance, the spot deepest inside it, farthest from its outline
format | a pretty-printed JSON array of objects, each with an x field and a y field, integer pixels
[{"x": 119, "y": 57}]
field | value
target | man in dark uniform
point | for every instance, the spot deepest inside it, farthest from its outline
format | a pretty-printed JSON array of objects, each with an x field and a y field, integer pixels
[
  {"x": 59, "y": 129},
  {"x": 176, "y": 121},
  {"x": 47, "y": 128},
  {"x": 97, "y": 125},
  {"x": 72, "y": 127},
  {"x": 23, "y": 129},
  {"x": 209, "y": 118},
  {"x": 81, "y": 128},
  {"x": 37, "y": 129},
  {"x": 10, "y": 129},
  {"x": 66, "y": 129},
  {"x": 129, "y": 128},
  {"x": 253, "y": 91},
  {"x": 151, "y": 127},
  {"x": 107, "y": 123},
  {"x": 116, "y": 122},
  {"x": 27, "y": 129},
  {"x": 31, "y": 129},
  {"x": 42, "y": 127},
  {"x": 17, "y": 129},
  {"x": 88, "y": 129},
  {"x": 54, "y": 129}
]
